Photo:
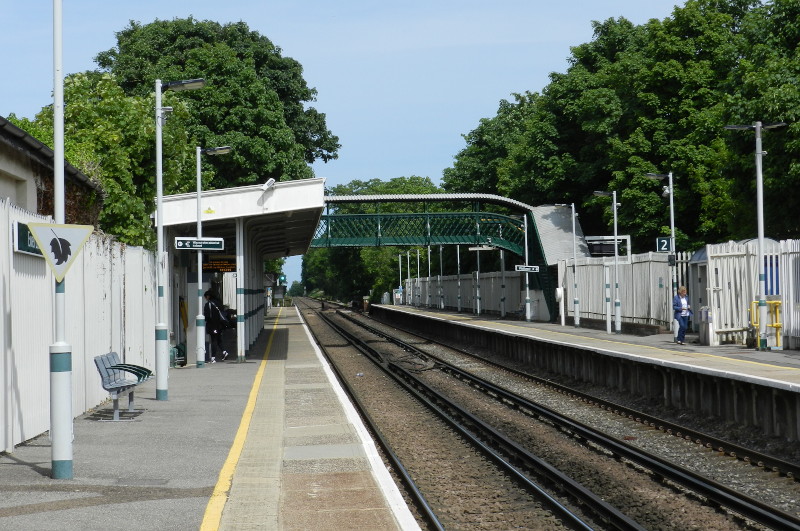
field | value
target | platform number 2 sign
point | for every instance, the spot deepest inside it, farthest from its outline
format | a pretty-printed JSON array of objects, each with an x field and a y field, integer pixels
[{"x": 663, "y": 245}]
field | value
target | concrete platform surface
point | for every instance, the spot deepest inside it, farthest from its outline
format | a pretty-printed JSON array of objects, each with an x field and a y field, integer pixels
[{"x": 271, "y": 443}]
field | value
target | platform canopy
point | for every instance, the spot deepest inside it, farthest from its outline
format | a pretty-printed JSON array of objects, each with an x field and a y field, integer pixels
[{"x": 279, "y": 221}]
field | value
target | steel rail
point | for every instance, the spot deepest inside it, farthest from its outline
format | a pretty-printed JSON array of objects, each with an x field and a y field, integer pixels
[
  {"x": 716, "y": 492},
  {"x": 418, "y": 499},
  {"x": 747, "y": 455},
  {"x": 516, "y": 458}
]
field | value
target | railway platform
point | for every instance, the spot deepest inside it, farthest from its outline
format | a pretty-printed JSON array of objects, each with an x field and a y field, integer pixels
[
  {"x": 271, "y": 443},
  {"x": 778, "y": 365},
  {"x": 732, "y": 382}
]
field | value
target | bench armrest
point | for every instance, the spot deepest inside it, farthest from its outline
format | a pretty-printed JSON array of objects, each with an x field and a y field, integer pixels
[{"x": 141, "y": 373}]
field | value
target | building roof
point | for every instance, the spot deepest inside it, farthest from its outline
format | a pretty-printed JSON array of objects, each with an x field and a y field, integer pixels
[
  {"x": 19, "y": 139},
  {"x": 553, "y": 225},
  {"x": 279, "y": 221}
]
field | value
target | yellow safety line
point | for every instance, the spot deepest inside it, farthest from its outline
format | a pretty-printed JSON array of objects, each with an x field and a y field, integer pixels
[
  {"x": 216, "y": 504},
  {"x": 686, "y": 353}
]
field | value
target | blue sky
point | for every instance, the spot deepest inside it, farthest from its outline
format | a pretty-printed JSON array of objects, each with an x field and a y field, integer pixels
[{"x": 400, "y": 82}]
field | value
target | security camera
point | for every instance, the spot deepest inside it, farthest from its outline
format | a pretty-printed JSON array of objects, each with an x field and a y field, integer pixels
[
  {"x": 267, "y": 185},
  {"x": 665, "y": 192}
]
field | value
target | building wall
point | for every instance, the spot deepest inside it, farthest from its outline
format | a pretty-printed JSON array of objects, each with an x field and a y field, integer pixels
[{"x": 17, "y": 179}]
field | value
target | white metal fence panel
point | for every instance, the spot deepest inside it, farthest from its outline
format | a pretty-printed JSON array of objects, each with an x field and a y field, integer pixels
[
  {"x": 109, "y": 306},
  {"x": 138, "y": 302},
  {"x": 727, "y": 288},
  {"x": 28, "y": 284},
  {"x": 644, "y": 288},
  {"x": 446, "y": 290},
  {"x": 790, "y": 277},
  {"x": 732, "y": 283}
]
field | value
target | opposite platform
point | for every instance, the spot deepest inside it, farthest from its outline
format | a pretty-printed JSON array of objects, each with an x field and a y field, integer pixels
[
  {"x": 775, "y": 368},
  {"x": 271, "y": 443},
  {"x": 731, "y": 383}
]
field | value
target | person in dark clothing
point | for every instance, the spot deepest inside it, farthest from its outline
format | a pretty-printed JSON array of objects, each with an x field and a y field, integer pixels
[{"x": 214, "y": 325}]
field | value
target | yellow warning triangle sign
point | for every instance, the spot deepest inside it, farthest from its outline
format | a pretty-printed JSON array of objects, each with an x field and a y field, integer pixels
[{"x": 60, "y": 244}]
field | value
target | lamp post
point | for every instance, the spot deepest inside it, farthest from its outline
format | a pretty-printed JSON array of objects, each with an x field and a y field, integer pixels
[
  {"x": 669, "y": 190},
  {"x": 441, "y": 291},
  {"x": 419, "y": 283},
  {"x": 617, "y": 305},
  {"x": 200, "y": 322},
  {"x": 527, "y": 284},
  {"x": 410, "y": 294},
  {"x": 575, "y": 300},
  {"x": 400, "y": 268},
  {"x": 762, "y": 279},
  {"x": 429, "y": 276},
  {"x": 162, "y": 337}
]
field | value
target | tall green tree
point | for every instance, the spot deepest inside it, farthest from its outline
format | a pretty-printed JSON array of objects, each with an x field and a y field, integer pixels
[
  {"x": 655, "y": 98},
  {"x": 109, "y": 137},
  {"x": 255, "y": 99},
  {"x": 476, "y": 166}
]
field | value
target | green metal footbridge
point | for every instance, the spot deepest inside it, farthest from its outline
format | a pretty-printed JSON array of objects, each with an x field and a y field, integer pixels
[{"x": 475, "y": 226}]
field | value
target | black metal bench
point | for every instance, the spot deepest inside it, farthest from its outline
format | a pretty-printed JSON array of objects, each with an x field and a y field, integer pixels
[{"x": 115, "y": 378}]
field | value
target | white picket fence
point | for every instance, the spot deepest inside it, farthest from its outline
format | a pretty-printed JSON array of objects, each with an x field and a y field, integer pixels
[
  {"x": 722, "y": 281},
  {"x": 730, "y": 281},
  {"x": 109, "y": 307},
  {"x": 645, "y": 287}
]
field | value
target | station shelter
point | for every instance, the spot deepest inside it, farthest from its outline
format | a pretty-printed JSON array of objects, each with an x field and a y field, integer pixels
[{"x": 256, "y": 223}]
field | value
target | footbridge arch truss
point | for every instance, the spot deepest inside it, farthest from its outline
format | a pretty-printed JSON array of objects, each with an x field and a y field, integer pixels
[
  {"x": 477, "y": 227},
  {"x": 549, "y": 229}
]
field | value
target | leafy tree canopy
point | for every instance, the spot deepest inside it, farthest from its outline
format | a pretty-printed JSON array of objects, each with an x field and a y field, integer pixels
[
  {"x": 109, "y": 137},
  {"x": 656, "y": 98},
  {"x": 254, "y": 99}
]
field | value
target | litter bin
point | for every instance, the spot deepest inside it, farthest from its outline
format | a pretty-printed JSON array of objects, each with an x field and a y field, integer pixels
[{"x": 177, "y": 356}]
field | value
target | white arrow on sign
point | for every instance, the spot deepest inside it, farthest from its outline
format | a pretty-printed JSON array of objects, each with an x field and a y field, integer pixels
[
  {"x": 60, "y": 244},
  {"x": 527, "y": 268}
]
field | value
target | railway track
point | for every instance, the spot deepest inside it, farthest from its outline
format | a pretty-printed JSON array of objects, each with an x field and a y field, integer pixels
[
  {"x": 412, "y": 366},
  {"x": 723, "y": 447},
  {"x": 469, "y": 452}
]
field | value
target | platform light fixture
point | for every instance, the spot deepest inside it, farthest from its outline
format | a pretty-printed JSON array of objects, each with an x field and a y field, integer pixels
[
  {"x": 617, "y": 304},
  {"x": 162, "y": 335},
  {"x": 200, "y": 319},
  {"x": 267, "y": 185},
  {"x": 762, "y": 279}
]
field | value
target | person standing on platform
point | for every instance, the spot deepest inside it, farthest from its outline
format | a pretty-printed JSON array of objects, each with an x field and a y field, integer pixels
[
  {"x": 680, "y": 305},
  {"x": 215, "y": 322}
]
